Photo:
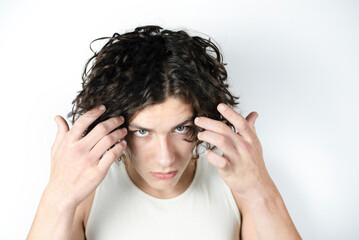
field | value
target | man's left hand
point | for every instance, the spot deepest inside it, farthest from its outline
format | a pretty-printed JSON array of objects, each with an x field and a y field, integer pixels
[{"x": 241, "y": 165}]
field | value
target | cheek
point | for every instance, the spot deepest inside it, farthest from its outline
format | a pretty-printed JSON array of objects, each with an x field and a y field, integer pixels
[
  {"x": 183, "y": 150},
  {"x": 186, "y": 147},
  {"x": 140, "y": 148},
  {"x": 140, "y": 153}
]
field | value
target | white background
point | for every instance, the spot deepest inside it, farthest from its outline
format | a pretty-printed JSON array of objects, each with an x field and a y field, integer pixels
[{"x": 294, "y": 62}]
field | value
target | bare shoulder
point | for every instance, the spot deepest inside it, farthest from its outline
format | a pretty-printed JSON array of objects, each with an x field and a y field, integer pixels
[
  {"x": 247, "y": 231},
  {"x": 81, "y": 217}
]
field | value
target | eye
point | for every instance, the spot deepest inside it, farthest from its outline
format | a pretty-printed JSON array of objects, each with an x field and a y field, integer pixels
[
  {"x": 182, "y": 129},
  {"x": 141, "y": 133}
]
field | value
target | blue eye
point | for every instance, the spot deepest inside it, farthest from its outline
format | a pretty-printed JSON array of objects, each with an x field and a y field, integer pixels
[
  {"x": 141, "y": 133},
  {"x": 182, "y": 129}
]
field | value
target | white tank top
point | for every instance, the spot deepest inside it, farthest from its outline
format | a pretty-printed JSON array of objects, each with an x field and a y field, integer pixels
[{"x": 206, "y": 210}]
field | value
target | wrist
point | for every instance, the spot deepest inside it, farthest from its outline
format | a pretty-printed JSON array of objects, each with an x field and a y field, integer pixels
[
  {"x": 264, "y": 192},
  {"x": 266, "y": 198},
  {"x": 58, "y": 200},
  {"x": 270, "y": 214},
  {"x": 54, "y": 217}
]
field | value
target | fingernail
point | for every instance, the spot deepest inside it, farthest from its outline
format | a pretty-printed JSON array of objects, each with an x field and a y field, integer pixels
[
  {"x": 222, "y": 107},
  {"x": 122, "y": 118},
  {"x": 102, "y": 107},
  {"x": 196, "y": 120}
]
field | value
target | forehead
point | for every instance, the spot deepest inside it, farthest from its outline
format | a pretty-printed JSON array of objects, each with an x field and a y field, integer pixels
[{"x": 168, "y": 113}]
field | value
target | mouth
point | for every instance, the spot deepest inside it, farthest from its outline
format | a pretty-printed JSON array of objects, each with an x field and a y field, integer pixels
[{"x": 164, "y": 176}]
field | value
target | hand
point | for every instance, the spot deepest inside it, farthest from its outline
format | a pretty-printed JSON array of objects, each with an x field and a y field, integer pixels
[
  {"x": 79, "y": 164},
  {"x": 241, "y": 165}
]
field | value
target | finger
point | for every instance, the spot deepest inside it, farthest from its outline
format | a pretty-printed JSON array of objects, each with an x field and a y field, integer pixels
[
  {"x": 238, "y": 121},
  {"x": 106, "y": 142},
  {"x": 111, "y": 155},
  {"x": 251, "y": 119},
  {"x": 83, "y": 122},
  {"x": 213, "y": 125},
  {"x": 218, "y": 140},
  {"x": 62, "y": 129},
  {"x": 101, "y": 130},
  {"x": 218, "y": 161}
]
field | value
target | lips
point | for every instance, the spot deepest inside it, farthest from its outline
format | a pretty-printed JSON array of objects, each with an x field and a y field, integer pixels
[{"x": 164, "y": 176}]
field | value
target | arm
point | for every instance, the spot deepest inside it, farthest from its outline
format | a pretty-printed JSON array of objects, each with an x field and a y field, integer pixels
[
  {"x": 53, "y": 218},
  {"x": 265, "y": 216},
  {"x": 242, "y": 167},
  {"x": 78, "y": 165}
]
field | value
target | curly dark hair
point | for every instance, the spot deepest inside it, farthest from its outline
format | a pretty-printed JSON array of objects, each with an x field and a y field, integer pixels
[{"x": 145, "y": 67}]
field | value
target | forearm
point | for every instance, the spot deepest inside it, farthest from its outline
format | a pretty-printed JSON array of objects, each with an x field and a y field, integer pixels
[
  {"x": 270, "y": 216},
  {"x": 54, "y": 218}
]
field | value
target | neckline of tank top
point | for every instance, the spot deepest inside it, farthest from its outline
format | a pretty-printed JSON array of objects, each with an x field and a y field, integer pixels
[{"x": 197, "y": 174}]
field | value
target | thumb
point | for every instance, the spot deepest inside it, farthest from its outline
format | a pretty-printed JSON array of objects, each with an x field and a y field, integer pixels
[
  {"x": 62, "y": 129},
  {"x": 251, "y": 118}
]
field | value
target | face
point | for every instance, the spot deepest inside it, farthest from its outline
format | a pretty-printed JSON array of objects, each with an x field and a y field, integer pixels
[{"x": 160, "y": 156}]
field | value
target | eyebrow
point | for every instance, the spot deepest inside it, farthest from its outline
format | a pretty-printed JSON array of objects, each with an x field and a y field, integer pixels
[{"x": 190, "y": 119}]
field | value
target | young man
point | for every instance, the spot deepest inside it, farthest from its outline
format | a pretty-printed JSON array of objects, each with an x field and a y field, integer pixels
[{"x": 150, "y": 98}]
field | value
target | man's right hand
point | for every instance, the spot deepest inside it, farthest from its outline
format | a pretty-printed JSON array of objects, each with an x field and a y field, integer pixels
[{"x": 79, "y": 164}]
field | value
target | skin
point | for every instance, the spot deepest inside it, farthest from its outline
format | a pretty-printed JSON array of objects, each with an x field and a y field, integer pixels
[
  {"x": 162, "y": 148},
  {"x": 242, "y": 167},
  {"x": 78, "y": 168},
  {"x": 78, "y": 165}
]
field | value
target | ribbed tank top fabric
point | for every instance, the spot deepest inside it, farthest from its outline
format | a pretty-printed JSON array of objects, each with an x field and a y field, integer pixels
[{"x": 206, "y": 210}]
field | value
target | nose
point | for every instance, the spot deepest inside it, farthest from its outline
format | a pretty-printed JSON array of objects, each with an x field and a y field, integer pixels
[{"x": 166, "y": 154}]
